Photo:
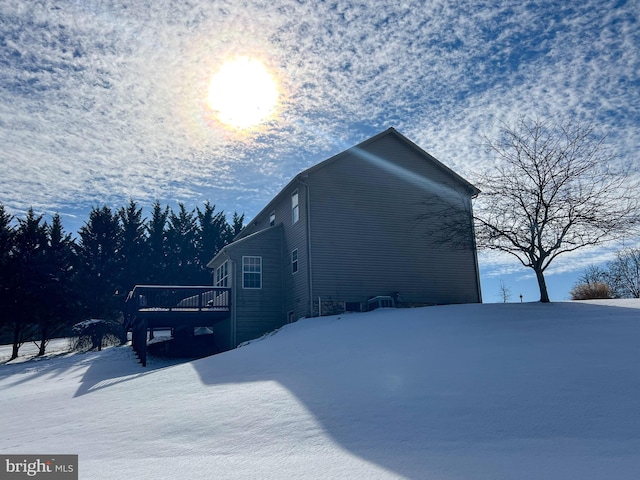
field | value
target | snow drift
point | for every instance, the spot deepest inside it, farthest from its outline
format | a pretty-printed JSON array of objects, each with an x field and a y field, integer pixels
[{"x": 467, "y": 391}]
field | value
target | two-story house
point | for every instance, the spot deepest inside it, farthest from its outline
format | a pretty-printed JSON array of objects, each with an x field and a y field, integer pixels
[{"x": 383, "y": 222}]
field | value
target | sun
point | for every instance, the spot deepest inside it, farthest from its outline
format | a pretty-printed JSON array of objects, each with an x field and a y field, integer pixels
[{"x": 243, "y": 94}]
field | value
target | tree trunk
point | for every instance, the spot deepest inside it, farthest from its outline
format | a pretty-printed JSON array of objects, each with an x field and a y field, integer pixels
[
  {"x": 16, "y": 341},
  {"x": 542, "y": 284},
  {"x": 43, "y": 341}
]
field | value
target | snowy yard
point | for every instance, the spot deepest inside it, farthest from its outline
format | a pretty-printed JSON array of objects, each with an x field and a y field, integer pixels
[{"x": 526, "y": 391}]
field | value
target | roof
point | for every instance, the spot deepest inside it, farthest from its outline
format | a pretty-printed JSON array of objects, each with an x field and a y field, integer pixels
[
  {"x": 390, "y": 131},
  {"x": 225, "y": 250},
  {"x": 473, "y": 191}
]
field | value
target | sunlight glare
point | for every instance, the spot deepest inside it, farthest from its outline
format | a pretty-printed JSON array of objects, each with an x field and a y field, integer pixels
[{"x": 243, "y": 93}]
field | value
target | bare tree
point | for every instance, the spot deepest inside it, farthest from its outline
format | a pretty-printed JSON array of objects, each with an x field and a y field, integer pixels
[
  {"x": 552, "y": 191},
  {"x": 505, "y": 292},
  {"x": 624, "y": 273},
  {"x": 594, "y": 274}
]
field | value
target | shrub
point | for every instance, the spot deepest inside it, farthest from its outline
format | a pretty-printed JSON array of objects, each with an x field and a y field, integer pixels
[
  {"x": 590, "y": 291},
  {"x": 96, "y": 333}
]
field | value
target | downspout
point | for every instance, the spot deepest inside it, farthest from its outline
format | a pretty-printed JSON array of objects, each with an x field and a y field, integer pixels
[
  {"x": 233, "y": 301},
  {"x": 308, "y": 220},
  {"x": 232, "y": 312}
]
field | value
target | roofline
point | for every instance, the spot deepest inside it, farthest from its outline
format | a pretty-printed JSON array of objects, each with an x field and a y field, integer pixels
[
  {"x": 472, "y": 188},
  {"x": 225, "y": 250},
  {"x": 389, "y": 131}
]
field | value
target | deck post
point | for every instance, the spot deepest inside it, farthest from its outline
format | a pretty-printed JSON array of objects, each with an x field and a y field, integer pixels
[
  {"x": 139, "y": 340},
  {"x": 143, "y": 342}
]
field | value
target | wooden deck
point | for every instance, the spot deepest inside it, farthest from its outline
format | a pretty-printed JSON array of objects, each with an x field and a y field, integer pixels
[{"x": 151, "y": 307}]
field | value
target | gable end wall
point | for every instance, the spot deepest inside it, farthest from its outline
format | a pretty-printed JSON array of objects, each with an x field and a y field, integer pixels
[{"x": 374, "y": 225}]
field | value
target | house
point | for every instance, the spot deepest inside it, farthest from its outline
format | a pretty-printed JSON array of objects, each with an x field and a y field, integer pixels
[{"x": 382, "y": 223}]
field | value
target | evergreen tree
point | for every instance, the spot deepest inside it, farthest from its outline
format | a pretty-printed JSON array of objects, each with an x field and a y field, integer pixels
[
  {"x": 156, "y": 251},
  {"x": 131, "y": 248},
  {"x": 99, "y": 263},
  {"x": 8, "y": 303},
  {"x": 237, "y": 226},
  {"x": 7, "y": 234},
  {"x": 61, "y": 297},
  {"x": 214, "y": 233},
  {"x": 182, "y": 235},
  {"x": 31, "y": 279}
]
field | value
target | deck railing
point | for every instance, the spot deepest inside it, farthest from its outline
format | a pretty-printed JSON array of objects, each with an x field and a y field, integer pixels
[
  {"x": 149, "y": 306},
  {"x": 177, "y": 298}
]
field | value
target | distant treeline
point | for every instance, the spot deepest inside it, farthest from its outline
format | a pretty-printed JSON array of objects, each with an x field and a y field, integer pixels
[{"x": 50, "y": 280}]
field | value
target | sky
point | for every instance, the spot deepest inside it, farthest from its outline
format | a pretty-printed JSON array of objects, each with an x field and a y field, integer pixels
[
  {"x": 106, "y": 101},
  {"x": 482, "y": 392}
]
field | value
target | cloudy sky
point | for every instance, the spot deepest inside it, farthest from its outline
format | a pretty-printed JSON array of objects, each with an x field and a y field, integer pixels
[{"x": 102, "y": 101}]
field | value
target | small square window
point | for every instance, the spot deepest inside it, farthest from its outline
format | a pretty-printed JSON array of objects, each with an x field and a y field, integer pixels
[{"x": 294, "y": 261}]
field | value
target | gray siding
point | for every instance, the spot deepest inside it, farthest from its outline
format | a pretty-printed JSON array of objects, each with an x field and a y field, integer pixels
[
  {"x": 296, "y": 297},
  {"x": 296, "y": 286},
  {"x": 377, "y": 229},
  {"x": 256, "y": 311},
  {"x": 379, "y": 219}
]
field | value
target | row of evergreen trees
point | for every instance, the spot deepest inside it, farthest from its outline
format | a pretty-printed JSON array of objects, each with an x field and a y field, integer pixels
[{"x": 50, "y": 280}]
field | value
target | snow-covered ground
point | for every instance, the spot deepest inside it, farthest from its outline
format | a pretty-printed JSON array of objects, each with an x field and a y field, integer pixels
[
  {"x": 29, "y": 350},
  {"x": 526, "y": 391}
]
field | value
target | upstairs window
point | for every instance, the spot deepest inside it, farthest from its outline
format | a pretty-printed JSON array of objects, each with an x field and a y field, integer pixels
[
  {"x": 294, "y": 261},
  {"x": 272, "y": 219},
  {"x": 295, "y": 208},
  {"x": 251, "y": 272},
  {"x": 222, "y": 275}
]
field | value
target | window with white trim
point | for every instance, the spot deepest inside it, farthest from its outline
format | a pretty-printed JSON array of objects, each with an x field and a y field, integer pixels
[
  {"x": 222, "y": 275},
  {"x": 272, "y": 219},
  {"x": 294, "y": 261},
  {"x": 295, "y": 208},
  {"x": 252, "y": 272}
]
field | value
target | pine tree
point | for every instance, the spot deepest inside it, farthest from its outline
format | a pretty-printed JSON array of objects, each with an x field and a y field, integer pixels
[
  {"x": 31, "y": 279},
  {"x": 7, "y": 269},
  {"x": 214, "y": 233},
  {"x": 237, "y": 226},
  {"x": 156, "y": 251},
  {"x": 182, "y": 235},
  {"x": 99, "y": 263},
  {"x": 61, "y": 297},
  {"x": 131, "y": 248}
]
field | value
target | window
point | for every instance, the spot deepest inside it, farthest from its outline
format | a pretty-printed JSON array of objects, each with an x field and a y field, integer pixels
[
  {"x": 294, "y": 261},
  {"x": 272, "y": 219},
  {"x": 295, "y": 209},
  {"x": 251, "y": 272},
  {"x": 222, "y": 275}
]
